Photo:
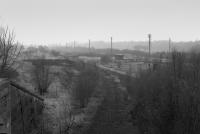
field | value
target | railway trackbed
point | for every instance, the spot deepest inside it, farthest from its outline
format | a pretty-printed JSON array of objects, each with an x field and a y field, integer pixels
[{"x": 112, "y": 116}]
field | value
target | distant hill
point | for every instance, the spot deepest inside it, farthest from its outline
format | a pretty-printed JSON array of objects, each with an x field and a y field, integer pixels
[
  {"x": 139, "y": 48},
  {"x": 156, "y": 46}
]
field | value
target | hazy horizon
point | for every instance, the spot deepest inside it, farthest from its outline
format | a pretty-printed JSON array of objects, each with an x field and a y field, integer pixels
[{"x": 61, "y": 21}]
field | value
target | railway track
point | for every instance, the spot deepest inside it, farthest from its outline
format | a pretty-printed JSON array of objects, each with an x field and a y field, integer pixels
[{"x": 113, "y": 114}]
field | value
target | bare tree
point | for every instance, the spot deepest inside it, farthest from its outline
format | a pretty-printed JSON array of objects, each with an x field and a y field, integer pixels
[
  {"x": 9, "y": 50},
  {"x": 86, "y": 84},
  {"x": 41, "y": 76}
]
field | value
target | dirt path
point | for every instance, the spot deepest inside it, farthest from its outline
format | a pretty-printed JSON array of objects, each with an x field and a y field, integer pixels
[{"x": 112, "y": 116}]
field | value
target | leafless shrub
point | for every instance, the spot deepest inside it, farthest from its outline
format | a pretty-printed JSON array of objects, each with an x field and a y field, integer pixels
[
  {"x": 69, "y": 120},
  {"x": 66, "y": 119}
]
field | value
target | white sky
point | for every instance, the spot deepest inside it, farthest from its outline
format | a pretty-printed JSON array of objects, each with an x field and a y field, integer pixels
[{"x": 60, "y": 21}]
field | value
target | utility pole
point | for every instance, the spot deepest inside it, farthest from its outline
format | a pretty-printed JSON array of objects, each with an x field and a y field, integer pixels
[
  {"x": 111, "y": 54},
  {"x": 149, "y": 36},
  {"x": 111, "y": 45},
  {"x": 89, "y": 46},
  {"x": 169, "y": 45},
  {"x": 169, "y": 48},
  {"x": 74, "y": 43}
]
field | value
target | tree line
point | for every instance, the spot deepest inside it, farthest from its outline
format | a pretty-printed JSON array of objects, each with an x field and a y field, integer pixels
[{"x": 167, "y": 100}]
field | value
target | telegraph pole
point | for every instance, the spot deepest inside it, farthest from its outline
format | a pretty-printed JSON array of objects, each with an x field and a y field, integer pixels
[
  {"x": 149, "y": 36},
  {"x": 89, "y": 45},
  {"x": 111, "y": 45},
  {"x": 74, "y": 43},
  {"x": 169, "y": 45},
  {"x": 111, "y": 54}
]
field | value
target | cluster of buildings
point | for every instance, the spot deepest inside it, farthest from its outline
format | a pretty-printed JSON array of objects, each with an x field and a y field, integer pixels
[{"x": 127, "y": 63}]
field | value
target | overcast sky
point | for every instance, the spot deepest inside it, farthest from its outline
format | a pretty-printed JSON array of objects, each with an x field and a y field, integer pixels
[{"x": 60, "y": 21}]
